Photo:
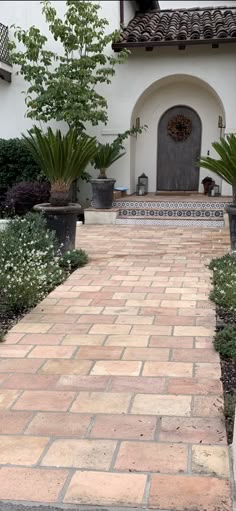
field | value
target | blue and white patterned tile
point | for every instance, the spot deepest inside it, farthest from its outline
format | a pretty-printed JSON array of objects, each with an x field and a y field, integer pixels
[
  {"x": 216, "y": 224},
  {"x": 171, "y": 213},
  {"x": 170, "y": 205}
]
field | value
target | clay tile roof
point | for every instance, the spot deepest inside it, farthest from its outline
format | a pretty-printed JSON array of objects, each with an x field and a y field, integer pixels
[{"x": 179, "y": 27}]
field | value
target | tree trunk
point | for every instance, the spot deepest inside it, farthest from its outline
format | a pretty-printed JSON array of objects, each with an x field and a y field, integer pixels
[
  {"x": 102, "y": 174},
  {"x": 234, "y": 193}
]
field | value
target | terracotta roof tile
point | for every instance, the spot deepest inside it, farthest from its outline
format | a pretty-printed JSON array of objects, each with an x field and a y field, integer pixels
[{"x": 186, "y": 26}]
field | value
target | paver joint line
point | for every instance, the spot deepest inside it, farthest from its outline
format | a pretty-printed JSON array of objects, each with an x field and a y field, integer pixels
[{"x": 110, "y": 394}]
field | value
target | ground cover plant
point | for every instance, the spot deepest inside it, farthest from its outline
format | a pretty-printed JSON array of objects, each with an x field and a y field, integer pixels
[
  {"x": 224, "y": 296},
  {"x": 31, "y": 265}
]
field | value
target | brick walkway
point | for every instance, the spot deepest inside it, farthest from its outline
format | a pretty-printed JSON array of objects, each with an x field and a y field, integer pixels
[{"x": 110, "y": 390}]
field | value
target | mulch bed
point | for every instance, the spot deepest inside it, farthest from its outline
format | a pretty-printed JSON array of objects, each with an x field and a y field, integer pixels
[
  {"x": 228, "y": 374},
  {"x": 8, "y": 320},
  {"x": 228, "y": 378}
]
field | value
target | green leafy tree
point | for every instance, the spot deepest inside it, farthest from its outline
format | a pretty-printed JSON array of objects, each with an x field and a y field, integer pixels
[{"x": 63, "y": 85}]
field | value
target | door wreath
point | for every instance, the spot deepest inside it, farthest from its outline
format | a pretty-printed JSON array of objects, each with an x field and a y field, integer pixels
[{"x": 179, "y": 128}]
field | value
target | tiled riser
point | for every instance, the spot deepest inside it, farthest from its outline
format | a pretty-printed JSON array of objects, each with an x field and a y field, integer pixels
[
  {"x": 170, "y": 205},
  {"x": 172, "y": 213},
  {"x": 215, "y": 224}
]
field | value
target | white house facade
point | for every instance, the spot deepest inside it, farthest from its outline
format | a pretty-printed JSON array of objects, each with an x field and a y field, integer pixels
[{"x": 179, "y": 80}]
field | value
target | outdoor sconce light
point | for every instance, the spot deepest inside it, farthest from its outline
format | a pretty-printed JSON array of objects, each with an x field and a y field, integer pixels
[
  {"x": 142, "y": 187},
  {"x": 137, "y": 123},
  {"x": 221, "y": 123}
]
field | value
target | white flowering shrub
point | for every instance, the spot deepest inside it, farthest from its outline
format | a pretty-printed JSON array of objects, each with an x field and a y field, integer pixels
[
  {"x": 29, "y": 263},
  {"x": 224, "y": 280},
  {"x": 73, "y": 259}
]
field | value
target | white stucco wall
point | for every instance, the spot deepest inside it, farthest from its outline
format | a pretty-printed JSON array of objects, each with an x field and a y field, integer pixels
[{"x": 214, "y": 67}]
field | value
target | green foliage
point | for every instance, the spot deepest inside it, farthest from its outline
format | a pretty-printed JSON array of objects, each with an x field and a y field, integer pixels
[
  {"x": 107, "y": 154},
  {"x": 29, "y": 263},
  {"x": 224, "y": 281},
  {"x": 225, "y": 166},
  {"x": 16, "y": 163},
  {"x": 62, "y": 158},
  {"x": 73, "y": 259},
  {"x": 63, "y": 84},
  {"x": 225, "y": 342}
]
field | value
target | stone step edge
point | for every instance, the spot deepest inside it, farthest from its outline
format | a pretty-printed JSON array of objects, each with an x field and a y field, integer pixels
[
  {"x": 170, "y": 205},
  {"x": 173, "y": 218}
]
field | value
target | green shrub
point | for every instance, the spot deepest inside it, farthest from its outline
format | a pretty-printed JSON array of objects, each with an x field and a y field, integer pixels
[
  {"x": 225, "y": 342},
  {"x": 16, "y": 163},
  {"x": 224, "y": 281},
  {"x": 23, "y": 196},
  {"x": 29, "y": 263},
  {"x": 73, "y": 259}
]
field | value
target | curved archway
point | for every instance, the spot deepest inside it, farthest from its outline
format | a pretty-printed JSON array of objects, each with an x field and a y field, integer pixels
[
  {"x": 175, "y": 78},
  {"x": 154, "y": 101},
  {"x": 179, "y": 146}
]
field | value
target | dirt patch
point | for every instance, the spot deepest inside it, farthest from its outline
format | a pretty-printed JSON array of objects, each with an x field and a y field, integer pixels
[
  {"x": 8, "y": 320},
  {"x": 228, "y": 378}
]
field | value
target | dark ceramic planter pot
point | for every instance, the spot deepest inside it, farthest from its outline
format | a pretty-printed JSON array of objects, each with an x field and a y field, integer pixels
[
  {"x": 62, "y": 220},
  {"x": 103, "y": 192},
  {"x": 231, "y": 210}
]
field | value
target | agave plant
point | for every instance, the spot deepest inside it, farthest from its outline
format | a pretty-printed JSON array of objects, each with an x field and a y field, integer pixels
[
  {"x": 225, "y": 166},
  {"x": 62, "y": 158},
  {"x": 105, "y": 156}
]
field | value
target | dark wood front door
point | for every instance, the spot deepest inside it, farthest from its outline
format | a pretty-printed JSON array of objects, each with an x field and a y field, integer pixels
[{"x": 179, "y": 146}]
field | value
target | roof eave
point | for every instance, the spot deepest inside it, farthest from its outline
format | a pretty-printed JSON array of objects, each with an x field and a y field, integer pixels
[{"x": 189, "y": 42}]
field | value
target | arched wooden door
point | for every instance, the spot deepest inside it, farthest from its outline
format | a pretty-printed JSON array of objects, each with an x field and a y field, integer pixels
[{"x": 179, "y": 146}]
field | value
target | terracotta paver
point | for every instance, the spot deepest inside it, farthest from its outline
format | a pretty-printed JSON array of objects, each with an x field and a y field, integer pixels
[
  {"x": 106, "y": 489},
  {"x": 31, "y": 484},
  {"x": 110, "y": 390},
  {"x": 124, "y": 427},
  {"x": 59, "y": 424},
  {"x": 152, "y": 457},
  {"x": 182, "y": 493},
  {"x": 84, "y": 454},
  {"x": 18, "y": 450}
]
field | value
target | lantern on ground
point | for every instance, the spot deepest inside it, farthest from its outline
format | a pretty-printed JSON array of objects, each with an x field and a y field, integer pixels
[{"x": 143, "y": 182}]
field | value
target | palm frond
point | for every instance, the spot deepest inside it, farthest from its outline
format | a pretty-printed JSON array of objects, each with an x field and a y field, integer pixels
[
  {"x": 62, "y": 158},
  {"x": 225, "y": 166},
  {"x": 106, "y": 155}
]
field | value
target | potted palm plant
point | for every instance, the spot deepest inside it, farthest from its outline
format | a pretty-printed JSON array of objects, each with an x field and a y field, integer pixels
[
  {"x": 62, "y": 159},
  {"x": 225, "y": 167},
  {"x": 106, "y": 155},
  {"x": 103, "y": 187}
]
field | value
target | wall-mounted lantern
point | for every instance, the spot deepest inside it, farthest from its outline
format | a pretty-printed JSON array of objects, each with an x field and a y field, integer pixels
[{"x": 221, "y": 123}]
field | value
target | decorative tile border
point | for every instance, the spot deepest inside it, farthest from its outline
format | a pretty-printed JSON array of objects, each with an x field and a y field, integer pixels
[
  {"x": 174, "y": 213},
  {"x": 215, "y": 224},
  {"x": 170, "y": 205}
]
